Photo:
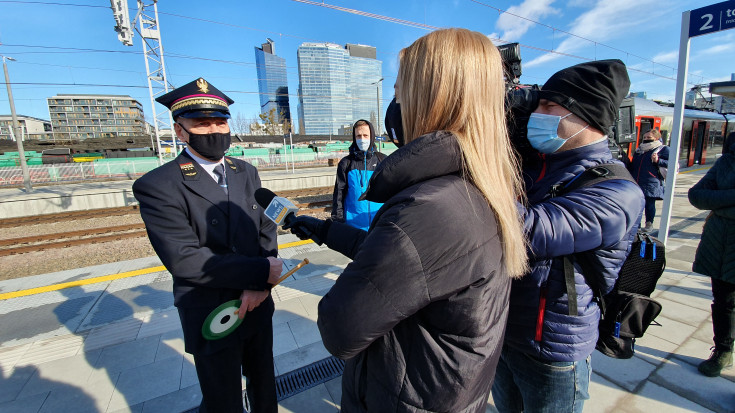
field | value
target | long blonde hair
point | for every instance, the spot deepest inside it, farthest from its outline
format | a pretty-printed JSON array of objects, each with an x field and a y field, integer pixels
[{"x": 452, "y": 80}]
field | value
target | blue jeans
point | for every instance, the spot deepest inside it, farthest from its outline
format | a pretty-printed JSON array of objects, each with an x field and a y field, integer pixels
[{"x": 526, "y": 384}]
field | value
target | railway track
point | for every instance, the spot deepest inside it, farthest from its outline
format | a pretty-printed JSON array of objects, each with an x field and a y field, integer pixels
[
  {"x": 133, "y": 209},
  {"x": 66, "y": 239},
  {"x": 71, "y": 238},
  {"x": 67, "y": 216}
]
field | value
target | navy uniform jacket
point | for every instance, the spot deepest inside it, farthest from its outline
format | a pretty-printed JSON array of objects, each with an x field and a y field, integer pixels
[{"x": 213, "y": 246}]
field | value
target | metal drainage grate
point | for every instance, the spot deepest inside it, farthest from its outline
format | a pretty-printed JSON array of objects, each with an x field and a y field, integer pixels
[
  {"x": 308, "y": 376},
  {"x": 302, "y": 379}
]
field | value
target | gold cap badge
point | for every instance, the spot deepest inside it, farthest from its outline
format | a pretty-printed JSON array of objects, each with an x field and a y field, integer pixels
[{"x": 202, "y": 85}]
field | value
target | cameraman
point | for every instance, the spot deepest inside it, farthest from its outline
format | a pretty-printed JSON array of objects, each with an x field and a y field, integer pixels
[{"x": 545, "y": 363}]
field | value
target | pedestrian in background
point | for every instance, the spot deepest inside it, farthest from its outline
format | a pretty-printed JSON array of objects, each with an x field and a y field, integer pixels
[
  {"x": 715, "y": 255},
  {"x": 353, "y": 174},
  {"x": 648, "y": 159}
]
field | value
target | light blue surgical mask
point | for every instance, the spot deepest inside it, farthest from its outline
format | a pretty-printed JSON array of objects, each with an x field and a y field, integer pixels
[
  {"x": 363, "y": 144},
  {"x": 542, "y": 132}
]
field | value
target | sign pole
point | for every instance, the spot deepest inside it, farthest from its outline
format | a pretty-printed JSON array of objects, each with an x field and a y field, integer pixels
[{"x": 676, "y": 128}]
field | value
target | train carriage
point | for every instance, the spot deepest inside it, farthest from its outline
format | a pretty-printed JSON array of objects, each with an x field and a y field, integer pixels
[{"x": 702, "y": 131}]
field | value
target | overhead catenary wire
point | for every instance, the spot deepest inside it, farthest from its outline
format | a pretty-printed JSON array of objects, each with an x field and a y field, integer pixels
[
  {"x": 390, "y": 19},
  {"x": 404, "y": 22},
  {"x": 429, "y": 28},
  {"x": 570, "y": 33}
]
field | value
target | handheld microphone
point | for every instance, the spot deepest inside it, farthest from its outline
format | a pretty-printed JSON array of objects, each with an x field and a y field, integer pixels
[
  {"x": 280, "y": 210},
  {"x": 276, "y": 208}
]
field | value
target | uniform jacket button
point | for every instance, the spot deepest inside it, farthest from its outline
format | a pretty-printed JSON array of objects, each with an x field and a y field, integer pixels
[
  {"x": 215, "y": 222},
  {"x": 255, "y": 206}
]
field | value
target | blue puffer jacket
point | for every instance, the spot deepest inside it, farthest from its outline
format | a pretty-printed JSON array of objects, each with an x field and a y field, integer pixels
[
  {"x": 601, "y": 217},
  {"x": 646, "y": 172}
]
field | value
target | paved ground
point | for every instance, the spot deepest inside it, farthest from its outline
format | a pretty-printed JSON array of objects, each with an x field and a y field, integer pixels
[{"x": 116, "y": 346}]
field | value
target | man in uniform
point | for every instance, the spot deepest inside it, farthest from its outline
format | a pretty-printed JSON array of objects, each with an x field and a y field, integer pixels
[{"x": 206, "y": 227}]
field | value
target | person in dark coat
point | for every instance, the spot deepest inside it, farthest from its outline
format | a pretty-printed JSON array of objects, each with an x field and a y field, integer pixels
[
  {"x": 353, "y": 174},
  {"x": 546, "y": 361},
  {"x": 419, "y": 314},
  {"x": 715, "y": 255},
  {"x": 206, "y": 227},
  {"x": 647, "y": 159}
]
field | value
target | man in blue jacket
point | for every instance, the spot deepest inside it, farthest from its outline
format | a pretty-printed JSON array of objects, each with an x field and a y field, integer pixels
[
  {"x": 545, "y": 364},
  {"x": 353, "y": 174}
]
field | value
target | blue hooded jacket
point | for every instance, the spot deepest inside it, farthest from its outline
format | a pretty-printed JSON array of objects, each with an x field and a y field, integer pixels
[
  {"x": 600, "y": 218},
  {"x": 353, "y": 174}
]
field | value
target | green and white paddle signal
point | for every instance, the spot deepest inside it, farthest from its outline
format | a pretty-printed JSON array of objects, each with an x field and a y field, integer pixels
[{"x": 222, "y": 321}]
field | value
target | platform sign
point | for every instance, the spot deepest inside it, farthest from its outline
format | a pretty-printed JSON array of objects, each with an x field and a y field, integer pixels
[
  {"x": 713, "y": 18},
  {"x": 705, "y": 20}
]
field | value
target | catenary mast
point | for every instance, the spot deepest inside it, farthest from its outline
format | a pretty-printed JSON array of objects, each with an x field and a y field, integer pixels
[{"x": 149, "y": 30}]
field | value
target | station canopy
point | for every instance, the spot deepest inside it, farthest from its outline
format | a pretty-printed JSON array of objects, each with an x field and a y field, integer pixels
[{"x": 726, "y": 89}]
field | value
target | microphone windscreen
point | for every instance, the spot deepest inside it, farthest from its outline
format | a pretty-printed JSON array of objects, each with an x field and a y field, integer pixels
[{"x": 264, "y": 196}]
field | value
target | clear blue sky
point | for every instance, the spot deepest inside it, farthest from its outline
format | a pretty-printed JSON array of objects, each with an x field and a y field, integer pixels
[{"x": 215, "y": 39}]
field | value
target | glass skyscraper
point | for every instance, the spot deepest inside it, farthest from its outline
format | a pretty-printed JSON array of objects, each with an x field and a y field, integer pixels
[
  {"x": 337, "y": 86},
  {"x": 272, "y": 82}
]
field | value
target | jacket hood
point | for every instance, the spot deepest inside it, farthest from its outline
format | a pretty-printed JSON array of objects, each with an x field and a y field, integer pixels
[
  {"x": 429, "y": 156},
  {"x": 353, "y": 148}
]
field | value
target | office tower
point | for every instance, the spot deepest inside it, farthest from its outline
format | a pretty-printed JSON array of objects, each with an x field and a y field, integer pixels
[
  {"x": 272, "y": 82},
  {"x": 337, "y": 86}
]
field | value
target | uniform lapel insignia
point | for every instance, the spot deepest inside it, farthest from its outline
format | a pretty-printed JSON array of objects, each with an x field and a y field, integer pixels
[
  {"x": 231, "y": 164},
  {"x": 188, "y": 170}
]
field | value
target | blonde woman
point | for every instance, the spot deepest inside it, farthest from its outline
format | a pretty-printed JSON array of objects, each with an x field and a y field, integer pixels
[{"x": 419, "y": 314}]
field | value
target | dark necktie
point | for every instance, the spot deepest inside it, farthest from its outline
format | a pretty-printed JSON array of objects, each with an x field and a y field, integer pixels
[{"x": 219, "y": 172}]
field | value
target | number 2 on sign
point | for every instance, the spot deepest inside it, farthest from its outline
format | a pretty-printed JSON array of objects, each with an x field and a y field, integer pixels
[{"x": 708, "y": 23}]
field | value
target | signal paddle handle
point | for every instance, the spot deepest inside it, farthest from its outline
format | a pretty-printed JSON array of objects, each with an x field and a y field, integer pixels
[{"x": 293, "y": 270}]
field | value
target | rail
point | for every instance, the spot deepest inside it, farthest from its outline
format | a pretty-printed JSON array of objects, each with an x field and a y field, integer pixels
[{"x": 20, "y": 245}]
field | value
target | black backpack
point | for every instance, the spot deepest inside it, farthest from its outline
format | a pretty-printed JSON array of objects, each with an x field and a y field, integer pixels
[{"x": 628, "y": 309}]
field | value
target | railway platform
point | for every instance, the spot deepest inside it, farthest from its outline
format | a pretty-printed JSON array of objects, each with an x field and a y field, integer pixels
[
  {"x": 51, "y": 199},
  {"x": 108, "y": 339}
]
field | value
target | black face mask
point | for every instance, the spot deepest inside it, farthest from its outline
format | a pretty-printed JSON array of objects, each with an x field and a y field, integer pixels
[
  {"x": 394, "y": 123},
  {"x": 211, "y": 146}
]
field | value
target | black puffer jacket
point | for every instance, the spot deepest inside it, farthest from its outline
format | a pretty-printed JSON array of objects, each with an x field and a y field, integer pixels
[
  {"x": 419, "y": 314},
  {"x": 716, "y": 191}
]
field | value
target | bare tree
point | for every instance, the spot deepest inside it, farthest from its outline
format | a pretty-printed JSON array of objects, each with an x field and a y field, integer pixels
[{"x": 239, "y": 124}]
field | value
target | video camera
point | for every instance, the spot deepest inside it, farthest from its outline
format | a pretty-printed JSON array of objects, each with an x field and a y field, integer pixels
[{"x": 521, "y": 100}]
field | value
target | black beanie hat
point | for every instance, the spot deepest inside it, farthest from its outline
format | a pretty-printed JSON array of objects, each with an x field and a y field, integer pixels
[{"x": 593, "y": 91}]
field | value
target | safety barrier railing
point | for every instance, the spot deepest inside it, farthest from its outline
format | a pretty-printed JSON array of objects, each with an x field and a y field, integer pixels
[{"x": 86, "y": 171}]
